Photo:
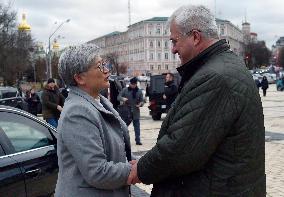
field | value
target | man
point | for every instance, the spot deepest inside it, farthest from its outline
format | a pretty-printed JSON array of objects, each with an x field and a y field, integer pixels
[
  {"x": 170, "y": 90},
  {"x": 52, "y": 103},
  {"x": 133, "y": 97},
  {"x": 211, "y": 142}
]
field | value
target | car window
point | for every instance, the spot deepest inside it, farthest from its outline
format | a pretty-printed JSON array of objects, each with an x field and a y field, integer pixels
[{"x": 24, "y": 133}]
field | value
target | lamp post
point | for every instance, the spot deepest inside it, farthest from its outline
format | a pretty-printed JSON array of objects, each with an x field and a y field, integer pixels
[{"x": 49, "y": 51}]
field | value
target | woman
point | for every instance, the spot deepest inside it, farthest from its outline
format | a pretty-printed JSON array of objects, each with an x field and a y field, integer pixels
[
  {"x": 52, "y": 103},
  {"x": 264, "y": 85},
  {"x": 33, "y": 101},
  {"x": 92, "y": 138}
]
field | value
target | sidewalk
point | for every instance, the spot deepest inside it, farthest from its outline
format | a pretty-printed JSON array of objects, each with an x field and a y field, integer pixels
[{"x": 273, "y": 109}]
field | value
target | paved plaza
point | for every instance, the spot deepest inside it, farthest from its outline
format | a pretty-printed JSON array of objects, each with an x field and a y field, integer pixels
[{"x": 273, "y": 108}]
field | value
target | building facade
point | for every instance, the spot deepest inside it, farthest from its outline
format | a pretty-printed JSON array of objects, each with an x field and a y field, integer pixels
[
  {"x": 276, "y": 51},
  {"x": 146, "y": 48},
  {"x": 232, "y": 34}
]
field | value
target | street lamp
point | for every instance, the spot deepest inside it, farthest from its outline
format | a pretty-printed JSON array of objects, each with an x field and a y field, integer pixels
[{"x": 49, "y": 69}]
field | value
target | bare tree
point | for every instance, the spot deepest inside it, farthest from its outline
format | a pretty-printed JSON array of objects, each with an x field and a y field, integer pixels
[
  {"x": 14, "y": 47},
  {"x": 117, "y": 68},
  {"x": 257, "y": 54}
]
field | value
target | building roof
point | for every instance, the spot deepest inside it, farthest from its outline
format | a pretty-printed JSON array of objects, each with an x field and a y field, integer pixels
[
  {"x": 24, "y": 26},
  {"x": 218, "y": 20},
  {"x": 245, "y": 23},
  {"x": 154, "y": 19},
  {"x": 158, "y": 19},
  {"x": 113, "y": 33}
]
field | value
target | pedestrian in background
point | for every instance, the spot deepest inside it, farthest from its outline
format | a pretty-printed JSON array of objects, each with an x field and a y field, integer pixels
[
  {"x": 33, "y": 101},
  {"x": 92, "y": 138},
  {"x": 257, "y": 83},
  {"x": 211, "y": 142},
  {"x": 264, "y": 85},
  {"x": 52, "y": 103},
  {"x": 133, "y": 97},
  {"x": 170, "y": 90}
]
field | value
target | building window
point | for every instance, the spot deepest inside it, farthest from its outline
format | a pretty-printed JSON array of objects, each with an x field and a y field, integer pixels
[
  {"x": 166, "y": 56},
  {"x": 158, "y": 31},
  {"x": 151, "y": 67},
  {"x": 222, "y": 31},
  {"x": 151, "y": 56},
  {"x": 159, "y": 67},
  {"x": 166, "y": 44},
  {"x": 151, "y": 44},
  {"x": 167, "y": 67},
  {"x": 166, "y": 32},
  {"x": 159, "y": 44},
  {"x": 174, "y": 56},
  {"x": 159, "y": 56}
]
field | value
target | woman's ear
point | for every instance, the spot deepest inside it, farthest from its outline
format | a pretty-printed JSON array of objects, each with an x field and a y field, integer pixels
[{"x": 80, "y": 79}]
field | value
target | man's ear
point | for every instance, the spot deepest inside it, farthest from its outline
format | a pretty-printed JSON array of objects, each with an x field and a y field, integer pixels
[
  {"x": 197, "y": 37},
  {"x": 80, "y": 79}
]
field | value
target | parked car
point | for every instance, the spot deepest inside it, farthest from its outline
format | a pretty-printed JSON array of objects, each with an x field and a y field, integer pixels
[
  {"x": 28, "y": 159},
  {"x": 10, "y": 96},
  {"x": 157, "y": 105}
]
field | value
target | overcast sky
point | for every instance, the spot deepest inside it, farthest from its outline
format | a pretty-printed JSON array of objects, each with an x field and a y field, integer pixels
[{"x": 94, "y": 18}]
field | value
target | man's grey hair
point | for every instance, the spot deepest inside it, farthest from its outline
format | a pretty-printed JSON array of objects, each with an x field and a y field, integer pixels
[
  {"x": 75, "y": 60},
  {"x": 195, "y": 17}
]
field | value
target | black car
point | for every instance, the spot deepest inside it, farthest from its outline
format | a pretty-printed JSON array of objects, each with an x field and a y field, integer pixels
[
  {"x": 28, "y": 159},
  {"x": 157, "y": 105},
  {"x": 10, "y": 96}
]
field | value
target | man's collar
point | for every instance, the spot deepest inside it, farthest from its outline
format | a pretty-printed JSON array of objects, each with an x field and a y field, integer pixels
[{"x": 187, "y": 70}]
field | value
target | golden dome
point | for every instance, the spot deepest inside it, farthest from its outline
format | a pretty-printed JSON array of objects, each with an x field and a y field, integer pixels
[
  {"x": 24, "y": 26},
  {"x": 55, "y": 45}
]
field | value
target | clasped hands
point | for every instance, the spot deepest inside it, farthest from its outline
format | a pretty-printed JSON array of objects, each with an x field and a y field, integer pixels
[{"x": 133, "y": 177}]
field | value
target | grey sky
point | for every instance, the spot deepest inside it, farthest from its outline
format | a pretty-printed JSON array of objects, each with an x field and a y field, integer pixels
[{"x": 93, "y": 18}]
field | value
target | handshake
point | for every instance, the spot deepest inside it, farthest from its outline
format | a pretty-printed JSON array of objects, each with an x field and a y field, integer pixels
[{"x": 133, "y": 177}]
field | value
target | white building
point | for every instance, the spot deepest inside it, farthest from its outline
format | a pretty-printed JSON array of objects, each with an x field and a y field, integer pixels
[
  {"x": 232, "y": 34},
  {"x": 145, "y": 47}
]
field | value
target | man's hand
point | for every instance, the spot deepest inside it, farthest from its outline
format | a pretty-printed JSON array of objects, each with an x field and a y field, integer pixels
[
  {"x": 133, "y": 178},
  {"x": 139, "y": 104},
  {"x": 164, "y": 96},
  {"x": 59, "y": 108},
  {"x": 124, "y": 99}
]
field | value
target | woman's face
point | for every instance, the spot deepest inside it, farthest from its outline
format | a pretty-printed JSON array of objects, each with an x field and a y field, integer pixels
[{"x": 96, "y": 78}]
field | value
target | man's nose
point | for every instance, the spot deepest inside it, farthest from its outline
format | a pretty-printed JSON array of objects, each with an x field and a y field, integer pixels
[{"x": 174, "y": 50}]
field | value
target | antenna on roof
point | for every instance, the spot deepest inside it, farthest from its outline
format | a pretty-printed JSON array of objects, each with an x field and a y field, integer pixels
[{"x": 129, "y": 13}]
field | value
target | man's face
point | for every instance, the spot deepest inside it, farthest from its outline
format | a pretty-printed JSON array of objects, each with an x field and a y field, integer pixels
[
  {"x": 133, "y": 85},
  {"x": 183, "y": 45},
  {"x": 168, "y": 78}
]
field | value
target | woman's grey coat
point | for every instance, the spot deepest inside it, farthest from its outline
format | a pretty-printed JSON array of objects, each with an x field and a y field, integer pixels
[{"x": 91, "y": 148}]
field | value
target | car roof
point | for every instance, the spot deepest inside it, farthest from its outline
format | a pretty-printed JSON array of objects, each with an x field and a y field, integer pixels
[
  {"x": 24, "y": 113},
  {"x": 8, "y": 88}
]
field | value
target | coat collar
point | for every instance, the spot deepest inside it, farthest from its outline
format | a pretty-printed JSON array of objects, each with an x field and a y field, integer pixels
[
  {"x": 103, "y": 105},
  {"x": 187, "y": 70}
]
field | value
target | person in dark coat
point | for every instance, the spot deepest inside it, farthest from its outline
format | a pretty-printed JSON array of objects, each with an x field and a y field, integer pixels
[
  {"x": 33, "y": 101},
  {"x": 264, "y": 85},
  {"x": 211, "y": 142},
  {"x": 257, "y": 83},
  {"x": 171, "y": 90},
  {"x": 133, "y": 97},
  {"x": 52, "y": 103}
]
